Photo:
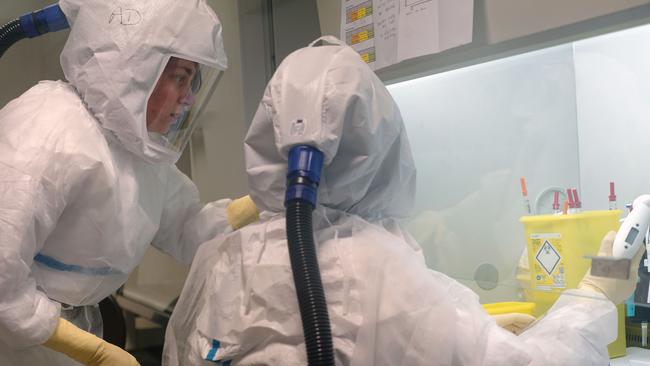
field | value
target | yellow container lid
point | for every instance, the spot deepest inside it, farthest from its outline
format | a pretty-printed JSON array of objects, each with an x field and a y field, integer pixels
[
  {"x": 574, "y": 216},
  {"x": 498, "y": 308}
]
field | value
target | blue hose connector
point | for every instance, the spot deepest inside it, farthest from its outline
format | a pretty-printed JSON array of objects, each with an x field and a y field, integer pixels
[
  {"x": 303, "y": 176},
  {"x": 48, "y": 19}
]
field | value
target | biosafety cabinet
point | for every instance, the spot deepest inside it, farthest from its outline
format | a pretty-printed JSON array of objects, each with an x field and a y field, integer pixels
[{"x": 575, "y": 115}]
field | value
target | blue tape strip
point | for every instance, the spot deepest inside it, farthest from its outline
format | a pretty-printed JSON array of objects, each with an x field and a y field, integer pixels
[
  {"x": 64, "y": 267},
  {"x": 226, "y": 363},
  {"x": 213, "y": 350}
]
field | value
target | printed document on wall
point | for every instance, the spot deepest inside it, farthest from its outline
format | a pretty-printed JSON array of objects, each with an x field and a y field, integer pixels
[{"x": 385, "y": 32}]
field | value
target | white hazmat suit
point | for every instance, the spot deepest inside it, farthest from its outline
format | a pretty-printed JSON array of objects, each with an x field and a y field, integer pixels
[
  {"x": 386, "y": 307},
  {"x": 83, "y": 188}
]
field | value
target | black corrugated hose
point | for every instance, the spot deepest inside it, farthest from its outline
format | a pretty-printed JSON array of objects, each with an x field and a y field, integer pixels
[
  {"x": 309, "y": 287},
  {"x": 10, "y": 33}
]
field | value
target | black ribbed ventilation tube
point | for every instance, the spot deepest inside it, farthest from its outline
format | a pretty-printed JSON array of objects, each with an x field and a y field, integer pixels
[
  {"x": 10, "y": 33},
  {"x": 309, "y": 287},
  {"x": 303, "y": 177}
]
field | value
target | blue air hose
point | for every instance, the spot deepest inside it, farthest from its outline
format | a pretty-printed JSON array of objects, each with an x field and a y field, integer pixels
[
  {"x": 303, "y": 177},
  {"x": 30, "y": 25}
]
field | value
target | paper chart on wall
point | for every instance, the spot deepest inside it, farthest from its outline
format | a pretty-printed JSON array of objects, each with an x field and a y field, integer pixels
[{"x": 385, "y": 32}]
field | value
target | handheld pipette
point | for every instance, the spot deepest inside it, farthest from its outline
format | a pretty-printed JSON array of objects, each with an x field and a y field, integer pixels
[
  {"x": 626, "y": 243},
  {"x": 633, "y": 229}
]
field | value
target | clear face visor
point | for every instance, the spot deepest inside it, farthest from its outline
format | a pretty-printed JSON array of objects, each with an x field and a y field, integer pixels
[{"x": 178, "y": 98}]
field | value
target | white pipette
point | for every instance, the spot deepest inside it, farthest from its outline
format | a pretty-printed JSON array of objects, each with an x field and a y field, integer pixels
[{"x": 633, "y": 229}]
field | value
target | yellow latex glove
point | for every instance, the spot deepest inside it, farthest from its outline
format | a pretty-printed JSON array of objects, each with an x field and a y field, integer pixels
[
  {"x": 242, "y": 212},
  {"x": 514, "y": 322},
  {"x": 87, "y": 348},
  {"x": 616, "y": 290}
]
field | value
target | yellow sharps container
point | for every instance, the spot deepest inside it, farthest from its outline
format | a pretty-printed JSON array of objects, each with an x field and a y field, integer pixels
[{"x": 557, "y": 245}]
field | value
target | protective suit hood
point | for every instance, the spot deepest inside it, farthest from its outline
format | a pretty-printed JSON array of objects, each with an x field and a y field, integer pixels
[
  {"x": 117, "y": 50},
  {"x": 329, "y": 98}
]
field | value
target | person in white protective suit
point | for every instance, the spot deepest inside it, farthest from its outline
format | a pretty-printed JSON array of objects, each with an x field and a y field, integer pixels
[
  {"x": 386, "y": 307},
  {"x": 87, "y": 174}
]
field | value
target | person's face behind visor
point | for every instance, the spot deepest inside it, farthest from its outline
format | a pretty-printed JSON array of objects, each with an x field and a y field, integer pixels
[
  {"x": 172, "y": 95},
  {"x": 176, "y": 101}
]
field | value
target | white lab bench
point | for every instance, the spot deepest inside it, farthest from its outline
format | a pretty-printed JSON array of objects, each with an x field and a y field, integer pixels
[{"x": 634, "y": 357}]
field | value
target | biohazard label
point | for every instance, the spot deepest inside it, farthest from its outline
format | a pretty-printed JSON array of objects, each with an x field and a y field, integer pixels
[
  {"x": 548, "y": 257},
  {"x": 548, "y": 264}
]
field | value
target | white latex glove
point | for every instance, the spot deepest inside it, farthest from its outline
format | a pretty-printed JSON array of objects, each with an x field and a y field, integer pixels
[
  {"x": 616, "y": 290},
  {"x": 514, "y": 322},
  {"x": 87, "y": 348}
]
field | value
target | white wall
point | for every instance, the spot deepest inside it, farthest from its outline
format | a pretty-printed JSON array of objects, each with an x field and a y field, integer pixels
[
  {"x": 329, "y": 15},
  {"x": 218, "y": 167}
]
